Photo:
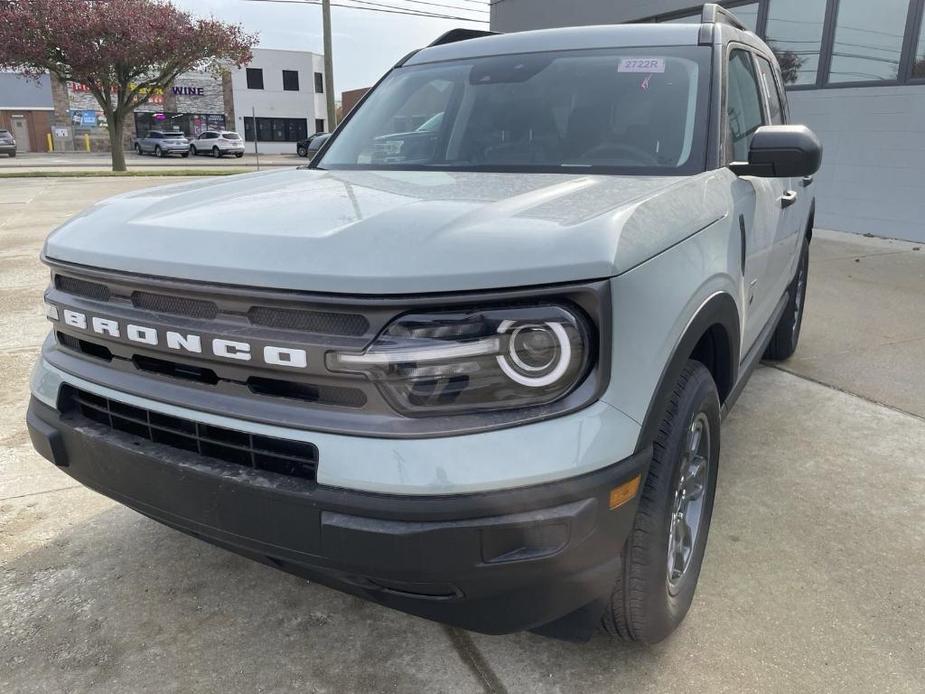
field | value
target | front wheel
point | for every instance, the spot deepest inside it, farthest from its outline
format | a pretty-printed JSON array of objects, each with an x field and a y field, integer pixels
[
  {"x": 663, "y": 554},
  {"x": 138, "y": 150},
  {"x": 787, "y": 333},
  {"x": 302, "y": 152},
  {"x": 239, "y": 155}
]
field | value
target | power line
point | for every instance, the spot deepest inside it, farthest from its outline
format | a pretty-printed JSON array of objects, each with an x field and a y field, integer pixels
[
  {"x": 412, "y": 13},
  {"x": 445, "y": 5},
  {"x": 409, "y": 9}
]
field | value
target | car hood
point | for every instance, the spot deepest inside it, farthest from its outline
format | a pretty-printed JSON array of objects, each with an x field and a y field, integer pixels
[{"x": 375, "y": 232}]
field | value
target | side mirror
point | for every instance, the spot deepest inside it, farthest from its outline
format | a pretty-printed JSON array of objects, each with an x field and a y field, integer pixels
[{"x": 781, "y": 151}]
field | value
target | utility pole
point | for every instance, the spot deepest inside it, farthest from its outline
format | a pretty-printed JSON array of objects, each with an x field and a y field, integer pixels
[{"x": 328, "y": 63}]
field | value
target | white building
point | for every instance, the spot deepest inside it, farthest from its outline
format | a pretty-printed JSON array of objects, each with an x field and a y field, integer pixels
[{"x": 285, "y": 91}]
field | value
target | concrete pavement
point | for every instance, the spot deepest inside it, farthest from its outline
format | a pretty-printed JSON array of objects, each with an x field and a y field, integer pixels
[{"x": 812, "y": 580}]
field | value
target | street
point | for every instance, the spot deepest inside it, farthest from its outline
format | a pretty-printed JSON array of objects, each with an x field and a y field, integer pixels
[{"x": 811, "y": 582}]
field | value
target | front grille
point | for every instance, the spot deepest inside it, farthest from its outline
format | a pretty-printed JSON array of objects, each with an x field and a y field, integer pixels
[
  {"x": 280, "y": 456},
  {"x": 88, "y": 290},
  {"x": 310, "y": 321},
  {"x": 176, "y": 305},
  {"x": 91, "y": 349}
]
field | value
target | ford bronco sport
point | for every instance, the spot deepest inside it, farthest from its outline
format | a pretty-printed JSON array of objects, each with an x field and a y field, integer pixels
[{"x": 480, "y": 377}]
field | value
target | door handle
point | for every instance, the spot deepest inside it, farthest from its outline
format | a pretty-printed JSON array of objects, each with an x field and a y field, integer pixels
[
  {"x": 788, "y": 198},
  {"x": 807, "y": 181}
]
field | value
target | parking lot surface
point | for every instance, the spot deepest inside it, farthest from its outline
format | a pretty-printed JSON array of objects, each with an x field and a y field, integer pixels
[{"x": 812, "y": 579}]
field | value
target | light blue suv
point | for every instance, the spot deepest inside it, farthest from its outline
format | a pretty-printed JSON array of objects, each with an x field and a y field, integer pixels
[{"x": 476, "y": 371}]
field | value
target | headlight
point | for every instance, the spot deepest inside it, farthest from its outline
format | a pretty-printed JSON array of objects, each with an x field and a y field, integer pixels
[{"x": 492, "y": 359}]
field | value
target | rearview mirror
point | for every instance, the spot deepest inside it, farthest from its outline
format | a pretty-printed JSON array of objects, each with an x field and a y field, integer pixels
[{"x": 781, "y": 151}]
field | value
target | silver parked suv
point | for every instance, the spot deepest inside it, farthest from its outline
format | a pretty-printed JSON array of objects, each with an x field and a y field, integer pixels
[
  {"x": 478, "y": 374},
  {"x": 162, "y": 144}
]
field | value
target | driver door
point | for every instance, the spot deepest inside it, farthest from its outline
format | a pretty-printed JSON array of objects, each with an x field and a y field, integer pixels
[{"x": 756, "y": 201}]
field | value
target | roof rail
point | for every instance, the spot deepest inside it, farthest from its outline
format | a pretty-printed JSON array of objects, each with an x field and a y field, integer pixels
[
  {"x": 454, "y": 35},
  {"x": 716, "y": 14}
]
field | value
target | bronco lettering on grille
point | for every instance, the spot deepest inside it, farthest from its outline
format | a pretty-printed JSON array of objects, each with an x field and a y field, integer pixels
[{"x": 174, "y": 340}]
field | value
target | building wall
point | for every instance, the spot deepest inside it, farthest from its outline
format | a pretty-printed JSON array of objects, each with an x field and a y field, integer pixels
[
  {"x": 874, "y": 136},
  {"x": 273, "y": 101},
  {"x": 874, "y": 163}
]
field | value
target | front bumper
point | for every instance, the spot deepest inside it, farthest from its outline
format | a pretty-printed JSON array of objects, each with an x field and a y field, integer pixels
[{"x": 495, "y": 562}]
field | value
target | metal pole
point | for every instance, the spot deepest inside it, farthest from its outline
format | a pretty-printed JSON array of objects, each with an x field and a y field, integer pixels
[
  {"x": 328, "y": 63},
  {"x": 254, "y": 130}
]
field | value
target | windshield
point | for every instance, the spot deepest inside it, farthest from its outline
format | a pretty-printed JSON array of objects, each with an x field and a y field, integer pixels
[{"x": 640, "y": 110}]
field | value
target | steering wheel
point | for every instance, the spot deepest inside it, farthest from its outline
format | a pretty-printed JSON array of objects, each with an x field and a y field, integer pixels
[{"x": 609, "y": 150}]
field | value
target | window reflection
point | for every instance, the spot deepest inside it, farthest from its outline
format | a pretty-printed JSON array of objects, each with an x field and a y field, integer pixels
[
  {"x": 794, "y": 32},
  {"x": 868, "y": 40}
]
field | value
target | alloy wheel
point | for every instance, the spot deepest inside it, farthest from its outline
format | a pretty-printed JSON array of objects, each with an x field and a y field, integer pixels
[{"x": 688, "y": 503}]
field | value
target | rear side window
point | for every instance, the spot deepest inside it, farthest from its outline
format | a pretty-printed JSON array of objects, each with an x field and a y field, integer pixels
[
  {"x": 772, "y": 93},
  {"x": 743, "y": 105}
]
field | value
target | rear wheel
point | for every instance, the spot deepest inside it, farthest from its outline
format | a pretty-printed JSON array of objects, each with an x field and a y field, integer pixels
[
  {"x": 239, "y": 155},
  {"x": 159, "y": 152},
  {"x": 302, "y": 151},
  {"x": 216, "y": 152},
  {"x": 787, "y": 333},
  {"x": 664, "y": 551}
]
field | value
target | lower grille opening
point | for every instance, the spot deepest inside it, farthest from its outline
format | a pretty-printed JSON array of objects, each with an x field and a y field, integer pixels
[
  {"x": 326, "y": 395},
  {"x": 280, "y": 456},
  {"x": 169, "y": 368},
  {"x": 91, "y": 349}
]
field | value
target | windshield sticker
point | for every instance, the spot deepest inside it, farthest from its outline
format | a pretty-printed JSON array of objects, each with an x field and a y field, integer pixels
[{"x": 649, "y": 65}]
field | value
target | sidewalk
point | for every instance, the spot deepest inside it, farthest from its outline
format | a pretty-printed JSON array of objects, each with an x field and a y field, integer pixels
[{"x": 90, "y": 161}]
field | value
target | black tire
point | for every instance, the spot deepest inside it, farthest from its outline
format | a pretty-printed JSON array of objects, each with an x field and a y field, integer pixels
[
  {"x": 239, "y": 155},
  {"x": 786, "y": 335},
  {"x": 192, "y": 150},
  {"x": 184, "y": 154},
  {"x": 302, "y": 152},
  {"x": 12, "y": 154},
  {"x": 216, "y": 152},
  {"x": 138, "y": 149},
  {"x": 158, "y": 152},
  {"x": 648, "y": 600}
]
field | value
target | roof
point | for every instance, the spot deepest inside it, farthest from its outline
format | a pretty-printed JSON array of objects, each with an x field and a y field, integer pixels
[
  {"x": 18, "y": 92},
  {"x": 568, "y": 38}
]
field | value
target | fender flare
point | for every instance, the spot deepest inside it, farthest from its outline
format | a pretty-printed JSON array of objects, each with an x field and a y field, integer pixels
[{"x": 719, "y": 309}]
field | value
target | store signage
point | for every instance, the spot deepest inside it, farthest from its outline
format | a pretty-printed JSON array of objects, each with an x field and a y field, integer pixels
[{"x": 189, "y": 91}]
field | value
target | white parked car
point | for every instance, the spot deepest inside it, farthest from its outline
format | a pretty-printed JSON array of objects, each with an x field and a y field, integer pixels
[{"x": 218, "y": 143}]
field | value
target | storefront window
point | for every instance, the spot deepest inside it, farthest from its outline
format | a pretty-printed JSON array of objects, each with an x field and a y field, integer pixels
[
  {"x": 868, "y": 40},
  {"x": 276, "y": 129},
  {"x": 794, "y": 32},
  {"x": 918, "y": 61},
  {"x": 190, "y": 124}
]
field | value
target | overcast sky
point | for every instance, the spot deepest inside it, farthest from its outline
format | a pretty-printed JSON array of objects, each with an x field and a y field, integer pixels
[{"x": 366, "y": 44}]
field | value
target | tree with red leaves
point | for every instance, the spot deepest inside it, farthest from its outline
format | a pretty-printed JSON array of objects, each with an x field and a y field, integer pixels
[{"x": 125, "y": 51}]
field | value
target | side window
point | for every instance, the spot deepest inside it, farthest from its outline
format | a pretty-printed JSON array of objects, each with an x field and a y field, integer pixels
[
  {"x": 744, "y": 114},
  {"x": 771, "y": 92}
]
